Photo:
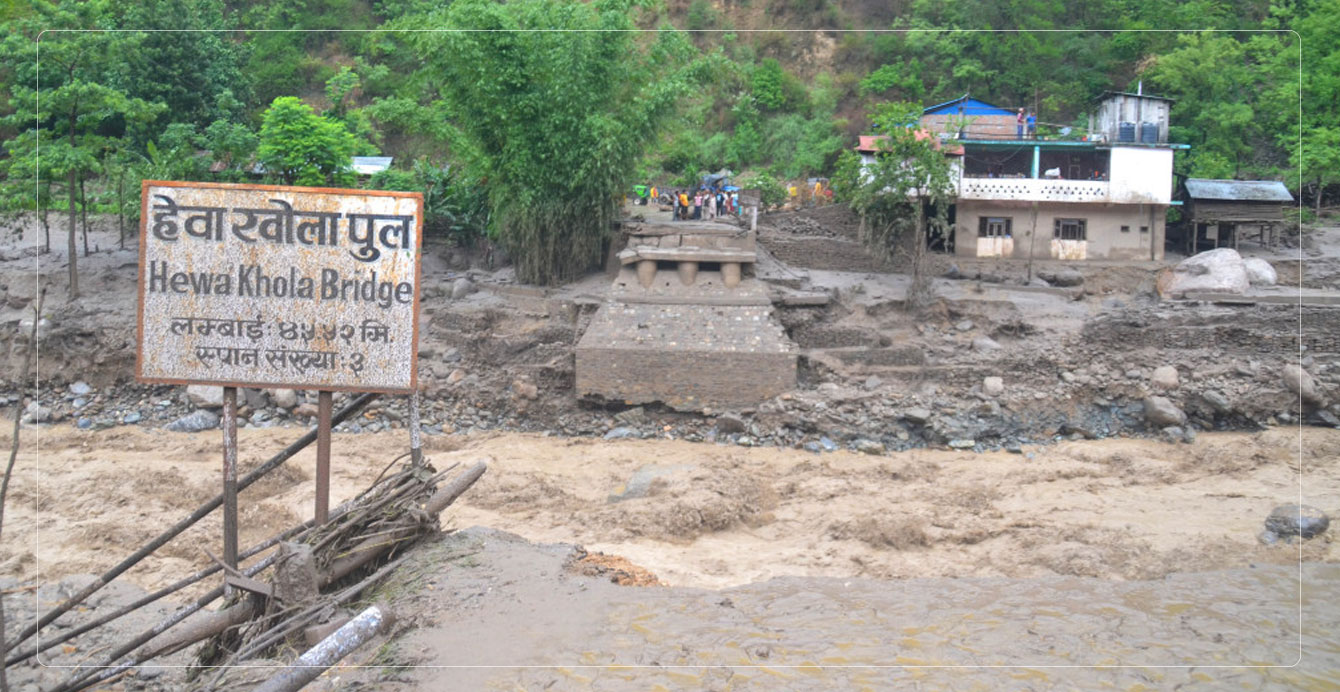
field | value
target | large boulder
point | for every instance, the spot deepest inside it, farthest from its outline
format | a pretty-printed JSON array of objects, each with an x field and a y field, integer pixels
[
  {"x": 1260, "y": 272},
  {"x": 1300, "y": 382},
  {"x": 1215, "y": 271},
  {"x": 1162, "y": 413},
  {"x": 1165, "y": 378},
  {"x": 205, "y": 396},
  {"x": 1297, "y": 520}
]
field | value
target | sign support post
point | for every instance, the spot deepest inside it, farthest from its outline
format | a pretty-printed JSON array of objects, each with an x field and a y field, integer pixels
[
  {"x": 415, "y": 440},
  {"x": 324, "y": 404},
  {"x": 230, "y": 476}
]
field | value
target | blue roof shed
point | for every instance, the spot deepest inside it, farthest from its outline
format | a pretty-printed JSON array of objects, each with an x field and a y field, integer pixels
[{"x": 971, "y": 106}]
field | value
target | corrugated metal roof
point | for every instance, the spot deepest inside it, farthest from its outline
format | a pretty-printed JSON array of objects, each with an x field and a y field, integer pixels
[
  {"x": 1240, "y": 190},
  {"x": 971, "y": 106},
  {"x": 367, "y": 165},
  {"x": 1109, "y": 94},
  {"x": 868, "y": 144}
]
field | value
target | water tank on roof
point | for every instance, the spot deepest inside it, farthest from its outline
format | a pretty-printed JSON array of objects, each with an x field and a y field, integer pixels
[
  {"x": 1126, "y": 133},
  {"x": 1149, "y": 133}
]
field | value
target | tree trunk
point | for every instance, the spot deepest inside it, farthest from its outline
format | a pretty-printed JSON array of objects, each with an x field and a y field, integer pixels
[
  {"x": 1320, "y": 188},
  {"x": 71, "y": 246},
  {"x": 45, "y": 207},
  {"x": 121, "y": 207},
  {"x": 83, "y": 213}
]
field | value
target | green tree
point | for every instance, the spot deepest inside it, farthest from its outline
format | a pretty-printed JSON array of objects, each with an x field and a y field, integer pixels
[
  {"x": 77, "y": 117},
  {"x": 555, "y": 121},
  {"x": 299, "y": 147},
  {"x": 903, "y": 194}
]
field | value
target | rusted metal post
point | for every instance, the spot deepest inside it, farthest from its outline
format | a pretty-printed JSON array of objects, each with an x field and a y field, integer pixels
[
  {"x": 415, "y": 434},
  {"x": 230, "y": 476},
  {"x": 324, "y": 403}
]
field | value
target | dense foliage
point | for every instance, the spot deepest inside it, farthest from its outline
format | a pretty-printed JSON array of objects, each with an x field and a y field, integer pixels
[{"x": 537, "y": 135}]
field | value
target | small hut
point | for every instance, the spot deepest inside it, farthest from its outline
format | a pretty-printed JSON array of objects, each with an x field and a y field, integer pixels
[{"x": 1222, "y": 212}]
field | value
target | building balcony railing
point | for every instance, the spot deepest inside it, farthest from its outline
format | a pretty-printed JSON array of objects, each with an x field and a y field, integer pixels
[{"x": 1035, "y": 190}]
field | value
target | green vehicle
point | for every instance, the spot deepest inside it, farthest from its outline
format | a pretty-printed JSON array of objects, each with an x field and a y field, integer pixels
[{"x": 642, "y": 192}]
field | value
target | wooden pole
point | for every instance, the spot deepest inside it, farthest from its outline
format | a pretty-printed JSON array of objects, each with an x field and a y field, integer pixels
[
  {"x": 324, "y": 403},
  {"x": 230, "y": 476}
]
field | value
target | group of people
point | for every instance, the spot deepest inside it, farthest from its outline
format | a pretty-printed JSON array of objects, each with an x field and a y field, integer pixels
[
  {"x": 705, "y": 204},
  {"x": 1026, "y": 118}
]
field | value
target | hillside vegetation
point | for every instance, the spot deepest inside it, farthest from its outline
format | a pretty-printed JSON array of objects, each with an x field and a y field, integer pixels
[{"x": 774, "y": 88}]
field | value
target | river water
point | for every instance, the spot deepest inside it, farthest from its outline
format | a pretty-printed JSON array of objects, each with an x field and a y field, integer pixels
[{"x": 1231, "y": 629}]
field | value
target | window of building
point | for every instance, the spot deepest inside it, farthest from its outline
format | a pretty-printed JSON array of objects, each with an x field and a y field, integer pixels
[
  {"x": 1070, "y": 229},
  {"x": 1125, "y": 229},
  {"x": 994, "y": 226},
  {"x": 1144, "y": 229}
]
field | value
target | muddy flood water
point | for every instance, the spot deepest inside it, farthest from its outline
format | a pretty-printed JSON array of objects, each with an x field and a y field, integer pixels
[
  {"x": 1229, "y": 629},
  {"x": 1120, "y": 564}
]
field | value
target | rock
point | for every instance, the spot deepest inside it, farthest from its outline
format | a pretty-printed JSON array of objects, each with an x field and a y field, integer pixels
[
  {"x": 812, "y": 446},
  {"x": 1297, "y": 520},
  {"x": 1215, "y": 271},
  {"x": 1065, "y": 277},
  {"x": 1300, "y": 382},
  {"x": 284, "y": 398},
  {"x": 1217, "y": 401},
  {"x": 620, "y": 433},
  {"x": 632, "y": 416},
  {"x": 36, "y": 413},
  {"x": 962, "y": 444},
  {"x": 993, "y": 386},
  {"x": 1164, "y": 378},
  {"x": 1260, "y": 272},
  {"x": 1039, "y": 282},
  {"x": 525, "y": 390},
  {"x": 205, "y": 396},
  {"x": 1135, "y": 374},
  {"x": 984, "y": 343},
  {"x": 456, "y": 376},
  {"x": 79, "y": 403},
  {"x": 640, "y": 483},
  {"x": 132, "y": 418},
  {"x": 195, "y": 421},
  {"x": 964, "y": 325},
  {"x": 84, "y": 423},
  {"x": 462, "y": 287},
  {"x": 953, "y": 272},
  {"x": 873, "y": 382},
  {"x": 1162, "y": 413},
  {"x": 865, "y": 446},
  {"x": 80, "y": 388},
  {"x": 255, "y": 398},
  {"x": 452, "y": 355},
  {"x": 1014, "y": 448},
  {"x": 308, "y": 410},
  {"x": 745, "y": 441},
  {"x": 1328, "y": 418},
  {"x": 729, "y": 423},
  {"x": 827, "y": 444},
  {"x": 917, "y": 415}
]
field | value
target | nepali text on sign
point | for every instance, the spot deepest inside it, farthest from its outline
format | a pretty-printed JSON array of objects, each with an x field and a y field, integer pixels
[{"x": 279, "y": 286}]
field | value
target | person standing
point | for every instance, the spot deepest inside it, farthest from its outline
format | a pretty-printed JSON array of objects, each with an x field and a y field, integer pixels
[
  {"x": 684, "y": 204},
  {"x": 1032, "y": 125},
  {"x": 1019, "y": 121},
  {"x": 674, "y": 200},
  {"x": 698, "y": 205}
]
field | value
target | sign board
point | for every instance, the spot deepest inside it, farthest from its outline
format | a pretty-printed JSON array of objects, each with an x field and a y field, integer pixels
[{"x": 270, "y": 286}]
